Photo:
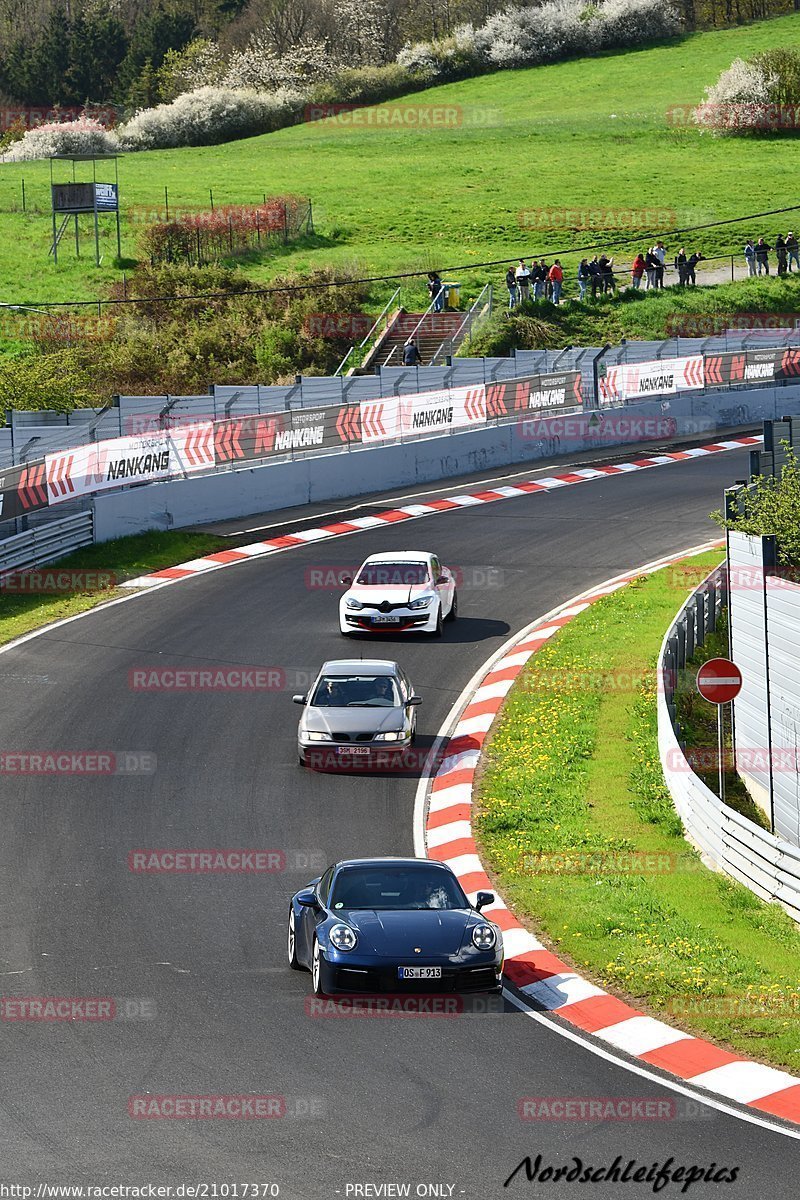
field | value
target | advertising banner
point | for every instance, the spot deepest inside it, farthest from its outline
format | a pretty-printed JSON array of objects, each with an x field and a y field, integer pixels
[
  {"x": 660, "y": 377},
  {"x": 119, "y": 461},
  {"x": 241, "y": 439},
  {"x": 22, "y": 490}
]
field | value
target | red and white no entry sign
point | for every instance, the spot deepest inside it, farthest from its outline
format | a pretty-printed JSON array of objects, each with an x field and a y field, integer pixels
[{"x": 719, "y": 680}]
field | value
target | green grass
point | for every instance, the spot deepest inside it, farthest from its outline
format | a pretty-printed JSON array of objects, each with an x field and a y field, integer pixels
[
  {"x": 588, "y": 133},
  {"x": 122, "y": 559},
  {"x": 573, "y": 770}
]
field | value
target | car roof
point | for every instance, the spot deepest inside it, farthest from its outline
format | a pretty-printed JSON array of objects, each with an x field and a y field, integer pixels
[
  {"x": 392, "y": 862},
  {"x": 359, "y": 666},
  {"x": 400, "y": 556}
]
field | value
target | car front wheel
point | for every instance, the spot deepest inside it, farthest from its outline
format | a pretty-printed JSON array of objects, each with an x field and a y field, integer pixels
[
  {"x": 437, "y": 632},
  {"x": 316, "y": 969},
  {"x": 291, "y": 944},
  {"x": 451, "y": 616}
]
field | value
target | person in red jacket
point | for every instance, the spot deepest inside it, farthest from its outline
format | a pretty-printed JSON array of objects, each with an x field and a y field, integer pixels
[
  {"x": 556, "y": 278},
  {"x": 637, "y": 270}
]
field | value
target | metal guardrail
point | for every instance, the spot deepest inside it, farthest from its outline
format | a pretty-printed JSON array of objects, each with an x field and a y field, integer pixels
[
  {"x": 45, "y": 543},
  {"x": 382, "y": 315},
  {"x": 480, "y": 307},
  {"x": 764, "y": 863}
]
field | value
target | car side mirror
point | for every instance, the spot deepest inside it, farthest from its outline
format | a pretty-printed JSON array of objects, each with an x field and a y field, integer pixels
[
  {"x": 414, "y": 700},
  {"x": 483, "y": 899},
  {"x": 298, "y": 699},
  {"x": 442, "y": 579},
  {"x": 346, "y": 579},
  {"x": 307, "y": 898}
]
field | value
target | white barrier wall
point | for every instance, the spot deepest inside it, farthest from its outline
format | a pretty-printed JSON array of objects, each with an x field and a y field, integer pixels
[{"x": 767, "y": 864}]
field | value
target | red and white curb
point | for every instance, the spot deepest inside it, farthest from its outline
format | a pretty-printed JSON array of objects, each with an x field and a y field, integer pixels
[
  {"x": 537, "y": 973},
  {"x": 227, "y": 558}
]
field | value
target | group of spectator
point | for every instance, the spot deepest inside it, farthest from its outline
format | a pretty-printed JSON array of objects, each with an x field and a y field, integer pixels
[
  {"x": 597, "y": 275},
  {"x": 757, "y": 254},
  {"x": 537, "y": 281}
]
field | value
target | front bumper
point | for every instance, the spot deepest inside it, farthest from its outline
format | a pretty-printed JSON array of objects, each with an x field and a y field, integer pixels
[
  {"x": 364, "y": 621},
  {"x": 380, "y": 976},
  {"x": 351, "y": 755}
]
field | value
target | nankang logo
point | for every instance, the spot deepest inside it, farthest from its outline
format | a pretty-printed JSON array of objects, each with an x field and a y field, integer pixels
[{"x": 143, "y": 464}]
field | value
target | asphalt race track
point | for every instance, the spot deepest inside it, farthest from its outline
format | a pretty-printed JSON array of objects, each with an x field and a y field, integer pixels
[{"x": 416, "y": 1100}]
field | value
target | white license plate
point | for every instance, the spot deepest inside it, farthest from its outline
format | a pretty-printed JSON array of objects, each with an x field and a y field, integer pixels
[
  {"x": 352, "y": 749},
  {"x": 380, "y": 619},
  {"x": 419, "y": 972}
]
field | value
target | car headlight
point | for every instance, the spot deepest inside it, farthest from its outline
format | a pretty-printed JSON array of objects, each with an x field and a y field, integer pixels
[
  {"x": 351, "y": 602},
  {"x": 484, "y": 937},
  {"x": 391, "y": 736},
  {"x": 343, "y": 937},
  {"x": 423, "y": 602},
  {"x": 314, "y": 735}
]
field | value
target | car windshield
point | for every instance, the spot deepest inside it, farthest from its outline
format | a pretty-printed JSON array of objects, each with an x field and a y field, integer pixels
[
  {"x": 389, "y": 574},
  {"x": 355, "y": 691},
  {"x": 397, "y": 888}
]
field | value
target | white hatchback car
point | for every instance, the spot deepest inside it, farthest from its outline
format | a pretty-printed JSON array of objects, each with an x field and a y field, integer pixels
[{"x": 408, "y": 590}]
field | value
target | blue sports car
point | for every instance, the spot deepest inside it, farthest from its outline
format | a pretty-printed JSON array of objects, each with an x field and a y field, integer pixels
[{"x": 393, "y": 925}]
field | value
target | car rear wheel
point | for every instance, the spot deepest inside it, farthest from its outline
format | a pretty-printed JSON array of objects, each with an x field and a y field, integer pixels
[
  {"x": 316, "y": 969},
  {"x": 451, "y": 616},
  {"x": 291, "y": 944}
]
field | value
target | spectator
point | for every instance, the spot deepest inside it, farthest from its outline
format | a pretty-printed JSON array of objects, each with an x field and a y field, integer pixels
[
  {"x": 660, "y": 255},
  {"x": 691, "y": 267},
  {"x": 436, "y": 291},
  {"x": 584, "y": 275},
  {"x": 594, "y": 272},
  {"x": 650, "y": 264},
  {"x": 511, "y": 284},
  {"x": 605, "y": 265},
  {"x": 637, "y": 270},
  {"x": 762, "y": 256},
  {"x": 523, "y": 281},
  {"x": 680, "y": 266},
  {"x": 792, "y": 251},
  {"x": 537, "y": 278},
  {"x": 547, "y": 288},
  {"x": 780, "y": 251},
  {"x": 750, "y": 256},
  {"x": 556, "y": 278},
  {"x": 411, "y": 354}
]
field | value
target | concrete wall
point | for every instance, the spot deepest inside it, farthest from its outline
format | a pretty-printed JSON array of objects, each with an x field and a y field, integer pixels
[{"x": 266, "y": 487}]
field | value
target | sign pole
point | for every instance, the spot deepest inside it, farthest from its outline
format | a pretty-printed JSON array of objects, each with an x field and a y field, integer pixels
[{"x": 721, "y": 750}]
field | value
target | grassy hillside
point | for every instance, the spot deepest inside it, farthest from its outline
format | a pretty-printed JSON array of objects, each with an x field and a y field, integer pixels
[{"x": 590, "y": 133}]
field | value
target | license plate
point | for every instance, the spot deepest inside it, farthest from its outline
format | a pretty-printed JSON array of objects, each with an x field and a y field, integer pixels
[
  {"x": 352, "y": 749},
  {"x": 419, "y": 972},
  {"x": 380, "y": 619}
]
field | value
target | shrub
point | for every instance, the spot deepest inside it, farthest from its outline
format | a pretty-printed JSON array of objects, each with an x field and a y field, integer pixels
[
  {"x": 771, "y": 507},
  {"x": 210, "y": 115},
  {"x": 60, "y": 381},
  {"x": 759, "y": 95},
  {"x": 367, "y": 85},
  {"x": 85, "y": 136},
  {"x": 452, "y": 57}
]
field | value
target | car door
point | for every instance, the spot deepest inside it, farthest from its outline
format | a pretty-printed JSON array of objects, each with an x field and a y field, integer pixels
[
  {"x": 445, "y": 589},
  {"x": 406, "y": 690}
]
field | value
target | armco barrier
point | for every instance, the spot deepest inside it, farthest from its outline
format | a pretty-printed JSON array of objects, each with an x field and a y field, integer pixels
[
  {"x": 45, "y": 544},
  {"x": 766, "y": 864}
]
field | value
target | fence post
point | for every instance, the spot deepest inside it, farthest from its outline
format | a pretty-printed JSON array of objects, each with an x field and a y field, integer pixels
[
  {"x": 166, "y": 203},
  {"x": 230, "y": 233},
  {"x": 211, "y": 198},
  {"x": 258, "y": 229},
  {"x": 23, "y": 195},
  {"x": 197, "y": 231}
]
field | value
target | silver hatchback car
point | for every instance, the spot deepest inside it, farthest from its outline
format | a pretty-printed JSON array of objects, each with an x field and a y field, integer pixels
[{"x": 356, "y": 709}]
